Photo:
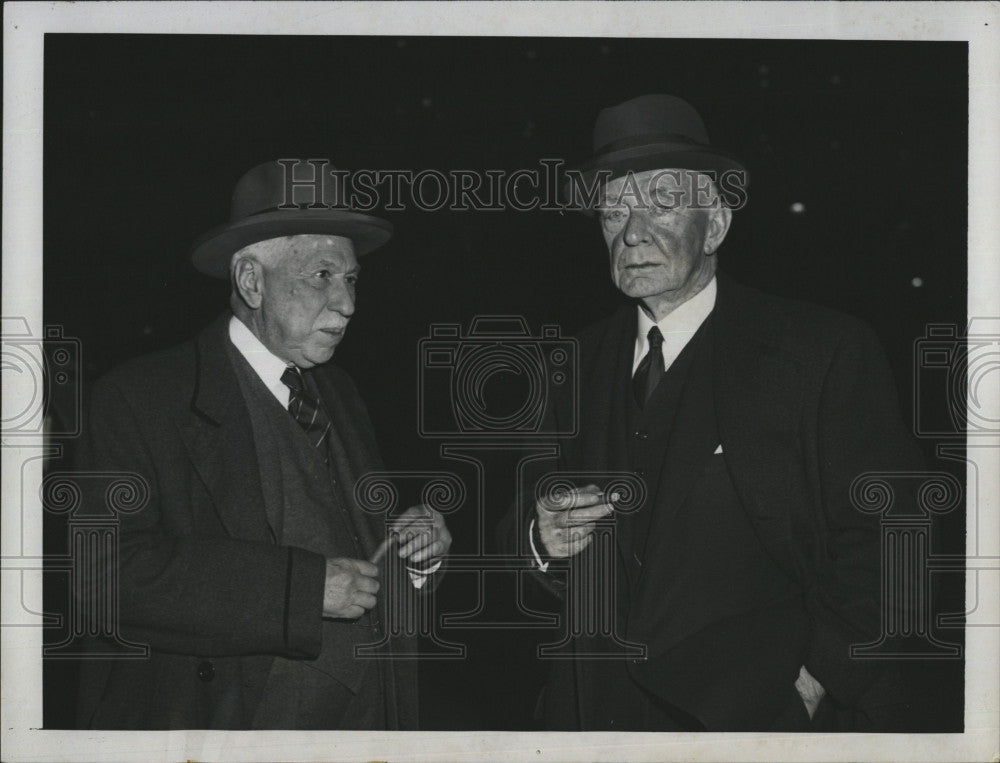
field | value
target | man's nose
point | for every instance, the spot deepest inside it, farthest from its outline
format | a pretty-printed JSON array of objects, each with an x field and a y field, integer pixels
[
  {"x": 636, "y": 229},
  {"x": 341, "y": 300}
]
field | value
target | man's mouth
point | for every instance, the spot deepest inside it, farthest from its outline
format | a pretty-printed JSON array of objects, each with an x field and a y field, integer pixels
[{"x": 641, "y": 265}]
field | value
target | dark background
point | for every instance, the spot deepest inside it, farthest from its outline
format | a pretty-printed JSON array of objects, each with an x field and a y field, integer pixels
[{"x": 145, "y": 137}]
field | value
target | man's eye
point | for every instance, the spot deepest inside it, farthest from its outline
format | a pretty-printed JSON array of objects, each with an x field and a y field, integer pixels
[
  {"x": 351, "y": 280},
  {"x": 325, "y": 274},
  {"x": 613, "y": 216}
]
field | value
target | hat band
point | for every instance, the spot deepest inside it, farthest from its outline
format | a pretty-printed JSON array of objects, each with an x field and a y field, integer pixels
[
  {"x": 296, "y": 208},
  {"x": 641, "y": 140}
]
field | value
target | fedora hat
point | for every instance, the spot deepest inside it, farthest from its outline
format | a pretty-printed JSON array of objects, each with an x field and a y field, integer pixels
[
  {"x": 653, "y": 132},
  {"x": 263, "y": 208}
]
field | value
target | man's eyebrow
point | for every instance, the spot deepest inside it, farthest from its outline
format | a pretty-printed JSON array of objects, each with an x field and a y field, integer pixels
[
  {"x": 327, "y": 261},
  {"x": 324, "y": 263}
]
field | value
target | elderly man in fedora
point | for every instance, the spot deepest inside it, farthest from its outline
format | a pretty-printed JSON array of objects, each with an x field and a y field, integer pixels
[
  {"x": 746, "y": 573},
  {"x": 253, "y": 574}
]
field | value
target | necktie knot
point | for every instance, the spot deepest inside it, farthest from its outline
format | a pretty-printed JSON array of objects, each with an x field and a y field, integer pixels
[
  {"x": 292, "y": 378},
  {"x": 306, "y": 408},
  {"x": 655, "y": 339}
]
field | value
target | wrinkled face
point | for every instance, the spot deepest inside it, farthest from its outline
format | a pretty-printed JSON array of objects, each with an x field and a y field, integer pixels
[
  {"x": 661, "y": 226},
  {"x": 307, "y": 297}
]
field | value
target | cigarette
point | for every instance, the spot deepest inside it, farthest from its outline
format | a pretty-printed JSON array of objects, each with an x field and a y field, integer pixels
[{"x": 380, "y": 552}]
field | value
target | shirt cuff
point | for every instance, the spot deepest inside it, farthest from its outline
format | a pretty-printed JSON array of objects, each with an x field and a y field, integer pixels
[
  {"x": 543, "y": 566},
  {"x": 419, "y": 576}
]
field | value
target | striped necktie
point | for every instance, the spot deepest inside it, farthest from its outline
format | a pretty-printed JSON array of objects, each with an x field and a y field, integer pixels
[{"x": 306, "y": 409}]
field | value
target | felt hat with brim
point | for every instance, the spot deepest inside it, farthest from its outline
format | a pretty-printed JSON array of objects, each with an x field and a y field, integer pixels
[
  {"x": 650, "y": 132},
  {"x": 276, "y": 199}
]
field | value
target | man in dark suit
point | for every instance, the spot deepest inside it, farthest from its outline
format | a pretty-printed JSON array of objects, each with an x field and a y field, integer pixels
[
  {"x": 253, "y": 573},
  {"x": 746, "y": 573}
]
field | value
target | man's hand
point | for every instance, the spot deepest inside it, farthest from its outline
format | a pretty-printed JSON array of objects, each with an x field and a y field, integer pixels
[
  {"x": 350, "y": 588},
  {"x": 420, "y": 537},
  {"x": 566, "y": 520}
]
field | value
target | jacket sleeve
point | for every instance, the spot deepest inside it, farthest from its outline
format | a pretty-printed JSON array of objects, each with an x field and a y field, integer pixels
[
  {"x": 186, "y": 589},
  {"x": 514, "y": 536},
  {"x": 859, "y": 430}
]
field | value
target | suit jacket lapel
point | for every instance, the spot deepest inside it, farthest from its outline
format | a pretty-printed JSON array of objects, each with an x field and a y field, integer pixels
[
  {"x": 219, "y": 439},
  {"x": 692, "y": 437}
]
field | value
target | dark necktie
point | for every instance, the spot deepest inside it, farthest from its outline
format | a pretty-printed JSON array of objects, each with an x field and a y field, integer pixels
[
  {"x": 650, "y": 369},
  {"x": 306, "y": 409}
]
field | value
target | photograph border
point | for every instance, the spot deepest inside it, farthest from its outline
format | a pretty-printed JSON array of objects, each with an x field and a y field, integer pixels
[{"x": 25, "y": 25}]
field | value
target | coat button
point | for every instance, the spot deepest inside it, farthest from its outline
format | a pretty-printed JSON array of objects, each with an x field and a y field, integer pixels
[
  {"x": 641, "y": 435},
  {"x": 640, "y": 473},
  {"x": 206, "y": 671}
]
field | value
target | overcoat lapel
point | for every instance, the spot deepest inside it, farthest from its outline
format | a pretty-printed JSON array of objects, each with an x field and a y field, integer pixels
[
  {"x": 219, "y": 438},
  {"x": 353, "y": 454},
  {"x": 351, "y": 459},
  {"x": 758, "y": 404},
  {"x": 605, "y": 430},
  {"x": 603, "y": 406}
]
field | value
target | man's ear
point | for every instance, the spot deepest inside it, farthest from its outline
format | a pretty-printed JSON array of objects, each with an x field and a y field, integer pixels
[
  {"x": 248, "y": 281},
  {"x": 719, "y": 220}
]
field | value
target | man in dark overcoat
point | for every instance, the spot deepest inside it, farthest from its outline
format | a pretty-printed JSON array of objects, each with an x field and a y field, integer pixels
[
  {"x": 747, "y": 573},
  {"x": 254, "y": 573}
]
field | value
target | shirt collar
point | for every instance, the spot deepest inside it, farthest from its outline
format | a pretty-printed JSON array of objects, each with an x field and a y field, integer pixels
[
  {"x": 268, "y": 366},
  {"x": 678, "y": 326}
]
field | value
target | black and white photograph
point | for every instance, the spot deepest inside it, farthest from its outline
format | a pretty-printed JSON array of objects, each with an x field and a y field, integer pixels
[{"x": 501, "y": 371}]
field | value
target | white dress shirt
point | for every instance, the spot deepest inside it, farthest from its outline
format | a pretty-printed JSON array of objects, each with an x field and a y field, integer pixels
[
  {"x": 677, "y": 327},
  {"x": 269, "y": 368}
]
